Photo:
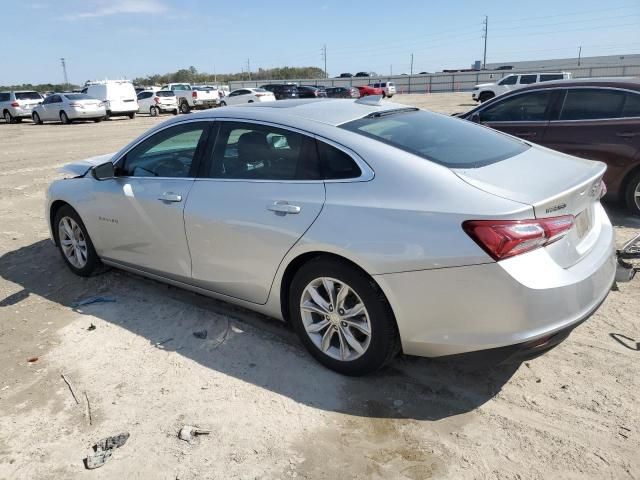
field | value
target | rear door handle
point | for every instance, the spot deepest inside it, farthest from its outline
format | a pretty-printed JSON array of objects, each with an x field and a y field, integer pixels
[
  {"x": 283, "y": 207},
  {"x": 170, "y": 197},
  {"x": 627, "y": 134},
  {"x": 526, "y": 134}
]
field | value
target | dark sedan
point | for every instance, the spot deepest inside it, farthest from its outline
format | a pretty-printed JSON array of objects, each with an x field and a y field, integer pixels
[
  {"x": 282, "y": 91},
  {"x": 598, "y": 119},
  {"x": 343, "y": 92},
  {"x": 311, "y": 91}
]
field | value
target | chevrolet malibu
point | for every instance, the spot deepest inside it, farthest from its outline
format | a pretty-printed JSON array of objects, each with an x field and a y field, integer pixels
[{"x": 374, "y": 228}]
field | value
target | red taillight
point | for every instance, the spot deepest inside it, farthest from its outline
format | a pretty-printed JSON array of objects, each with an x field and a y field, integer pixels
[
  {"x": 156, "y": 99},
  {"x": 194, "y": 94},
  {"x": 261, "y": 94},
  {"x": 15, "y": 104},
  {"x": 506, "y": 238}
]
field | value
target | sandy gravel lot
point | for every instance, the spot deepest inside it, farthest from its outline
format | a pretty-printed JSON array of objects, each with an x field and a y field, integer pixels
[{"x": 272, "y": 411}]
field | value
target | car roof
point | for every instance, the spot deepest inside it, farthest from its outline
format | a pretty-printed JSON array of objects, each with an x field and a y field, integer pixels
[
  {"x": 327, "y": 111},
  {"x": 632, "y": 83}
]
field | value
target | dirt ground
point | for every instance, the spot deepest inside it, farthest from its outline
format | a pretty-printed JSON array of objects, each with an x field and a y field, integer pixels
[{"x": 272, "y": 411}]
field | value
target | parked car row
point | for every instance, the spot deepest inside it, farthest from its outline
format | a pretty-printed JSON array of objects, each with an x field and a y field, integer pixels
[{"x": 486, "y": 91}]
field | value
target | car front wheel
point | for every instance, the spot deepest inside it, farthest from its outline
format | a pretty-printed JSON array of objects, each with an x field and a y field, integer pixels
[
  {"x": 342, "y": 317},
  {"x": 74, "y": 243}
]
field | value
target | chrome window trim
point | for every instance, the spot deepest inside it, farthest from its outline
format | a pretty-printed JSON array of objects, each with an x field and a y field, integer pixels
[{"x": 367, "y": 173}]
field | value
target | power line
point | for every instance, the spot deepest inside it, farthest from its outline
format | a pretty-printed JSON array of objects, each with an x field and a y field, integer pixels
[{"x": 567, "y": 14}]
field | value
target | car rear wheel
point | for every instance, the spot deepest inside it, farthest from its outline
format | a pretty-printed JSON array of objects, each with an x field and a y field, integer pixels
[
  {"x": 36, "y": 119},
  {"x": 8, "y": 117},
  {"x": 153, "y": 111},
  {"x": 74, "y": 243},
  {"x": 184, "y": 107},
  {"x": 64, "y": 119},
  {"x": 132, "y": 115},
  {"x": 98, "y": 120},
  {"x": 342, "y": 318},
  {"x": 484, "y": 96},
  {"x": 632, "y": 194}
]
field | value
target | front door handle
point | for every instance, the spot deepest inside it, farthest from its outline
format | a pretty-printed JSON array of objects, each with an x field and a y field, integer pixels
[
  {"x": 526, "y": 134},
  {"x": 627, "y": 134},
  {"x": 283, "y": 207},
  {"x": 170, "y": 197}
]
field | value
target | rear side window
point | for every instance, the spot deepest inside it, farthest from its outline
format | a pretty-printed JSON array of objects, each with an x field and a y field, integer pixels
[
  {"x": 78, "y": 96},
  {"x": 551, "y": 76},
  {"x": 592, "y": 103},
  {"x": 445, "y": 140},
  {"x": 28, "y": 96},
  {"x": 527, "y": 107},
  {"x": 528, "y": 79},
  {"x": 336, "y": 164},
  {"x": 143, "y": 95},
  {"x": 510, "y": 80},
  {"x": 4, "y": 97},
  {"x": 631, "y": 105}
]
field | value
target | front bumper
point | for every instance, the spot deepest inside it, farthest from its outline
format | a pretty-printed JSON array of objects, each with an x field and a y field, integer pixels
[
  {"x": 474, "y": 95},
  {"x": 456, "y": 310}
]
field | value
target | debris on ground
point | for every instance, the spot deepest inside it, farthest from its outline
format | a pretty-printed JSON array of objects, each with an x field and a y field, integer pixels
[
  {"x": 91, "y": 327},
  {"x": 188, "y": 432},
  {"x": 32, "y": 359},
  {"x": 93, "y": 299},
  {"x": 200, "y": 334},
  {"x": 68, "y": 382},
  {"x": 162, "y": 342},
  {"x": 103, "y": 450}
]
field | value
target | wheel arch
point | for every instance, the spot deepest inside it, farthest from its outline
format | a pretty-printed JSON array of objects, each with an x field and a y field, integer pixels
[
  {"x": 53, "y": 210},
  {"x": 625, "y": 181}
]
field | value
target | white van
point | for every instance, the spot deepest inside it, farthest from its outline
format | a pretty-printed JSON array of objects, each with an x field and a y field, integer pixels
[
  {"x": 486, "y": 91},
  {"x": 119, "y": 96}
]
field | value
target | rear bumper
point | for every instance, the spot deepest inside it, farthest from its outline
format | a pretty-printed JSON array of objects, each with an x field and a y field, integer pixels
[{"x": 464, "y": 309}]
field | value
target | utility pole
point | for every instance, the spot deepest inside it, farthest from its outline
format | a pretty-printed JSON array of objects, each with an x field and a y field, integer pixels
[
  {"x": 391, "y": 70},
  {"x": 64, "y": 71},
  {"x": 411, "y": 71},
  {"x": 323, "y": 55},
  {"x": 410, "y": 75},
  {"x": 579, "y": 54},
  {"x": 249, "y": 68},
  {"x": 485, "y": 35}
]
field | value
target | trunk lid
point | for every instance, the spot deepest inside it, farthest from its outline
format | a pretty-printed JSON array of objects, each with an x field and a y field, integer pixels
[{"x": 553, "y": 184}]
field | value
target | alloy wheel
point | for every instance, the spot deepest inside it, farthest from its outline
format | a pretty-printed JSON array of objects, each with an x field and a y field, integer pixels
[
  {"x": 335, "y": 319},
  {"x": 72, "y": 242},
  {"x": 636, "y": 195}
]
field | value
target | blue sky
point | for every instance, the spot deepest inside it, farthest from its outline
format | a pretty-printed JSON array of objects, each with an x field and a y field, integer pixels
[{"x": 129, "y": 38}]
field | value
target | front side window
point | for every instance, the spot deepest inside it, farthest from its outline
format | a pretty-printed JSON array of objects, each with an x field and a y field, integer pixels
[
  {"x": 168, "y": 153},
  {"x": 527, "y": 107},
  {"x": 261, "y": 152},
  {"x": 528, "y": 79},
  {"x": 592, "y": 104},
  {"x": 56, "y": 99},
  {"x": 445, "y": 140},
  {"x": 510, "y": 80},
  {"x": 143, "y": 95}
]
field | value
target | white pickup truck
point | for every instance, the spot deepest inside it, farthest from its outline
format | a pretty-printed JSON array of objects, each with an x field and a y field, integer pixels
[
  {"x": 486, "y": 91},
  {"x": 193, "y": 97}
]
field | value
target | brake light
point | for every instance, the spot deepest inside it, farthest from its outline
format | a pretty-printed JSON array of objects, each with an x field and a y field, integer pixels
[
  {"x": 261, "y": 94},
  {"x": 15, "y": 104},
  {"x": 507, "y": 238},
  {"x": 156, "y": 99},
  {"x": 194, "y": 94}
]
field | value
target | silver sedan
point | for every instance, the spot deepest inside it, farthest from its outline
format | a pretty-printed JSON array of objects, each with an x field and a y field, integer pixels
[
  {"x": 67, "y": 107},
  {"x": 373, "y": 228}
]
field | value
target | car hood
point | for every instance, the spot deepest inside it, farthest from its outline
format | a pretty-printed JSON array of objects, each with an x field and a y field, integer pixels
[{"x": 78, "y": 169}]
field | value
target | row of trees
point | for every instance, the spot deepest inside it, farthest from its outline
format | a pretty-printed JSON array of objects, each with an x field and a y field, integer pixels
[{"x": 190, "y": 75}]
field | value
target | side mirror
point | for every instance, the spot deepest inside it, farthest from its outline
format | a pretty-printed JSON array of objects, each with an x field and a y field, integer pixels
[
  {"x": 103, "y": 172},
  {"x": 475, "y": 118}
]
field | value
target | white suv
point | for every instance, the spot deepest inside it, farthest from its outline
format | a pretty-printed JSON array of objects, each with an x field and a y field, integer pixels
[
  {"x": 15, "y": 106},
  {"x": 486, "y": 91},
  {"x": 388, "y": 88}
]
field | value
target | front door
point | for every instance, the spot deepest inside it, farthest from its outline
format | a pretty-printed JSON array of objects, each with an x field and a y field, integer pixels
[
  {"x": 141, "y": 211},
  {"x": 262, "y": 192}
]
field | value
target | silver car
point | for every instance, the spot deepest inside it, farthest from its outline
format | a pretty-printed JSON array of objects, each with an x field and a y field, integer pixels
[
  {"x": 374, "y": 228},
  {"x": 18, "y": 105},
  {"x": 67, "y": 107}
]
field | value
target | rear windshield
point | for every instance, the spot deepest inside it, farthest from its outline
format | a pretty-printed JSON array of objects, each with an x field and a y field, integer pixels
[
  {"x": 28, "y": 96},
  {"x": 165, "y": 93},
  {"x": 78, "y": 96},
  {"x": 451, "y": 142}
]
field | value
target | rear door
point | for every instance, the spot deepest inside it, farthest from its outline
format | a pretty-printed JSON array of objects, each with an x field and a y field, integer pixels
[
  {"x": 261, "y": 192},
  {"x": 524, "y": 115},
  {"x": 598, "y": 124}
]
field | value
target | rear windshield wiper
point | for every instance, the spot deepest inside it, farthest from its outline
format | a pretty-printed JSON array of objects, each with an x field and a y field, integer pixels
[{"x": 395, "y": 111}]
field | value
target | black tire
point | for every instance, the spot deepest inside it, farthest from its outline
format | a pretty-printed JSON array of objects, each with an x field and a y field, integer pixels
[
  {"x": 93, "y": 264},
  {"x": 18, "y": 120},
  {"x": 484, "y": 96},
  {"x": 8, "y": 118},
  {"x": 175, "y": 112},
  {"x": 107, "y": 115},
  {"x": 223, "y": 103},
  {"x": 64, "y": 119},
  {"x": 184, "y": 107},
  {"x": 384, "y": 342},
  {"x": 98, "y": 120},
  {"x": 132, "y": 115},
  {"x": 36, "y": 118},
  {"x": 633, "y": 188},
  {"x": 153, "y": 111}
]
